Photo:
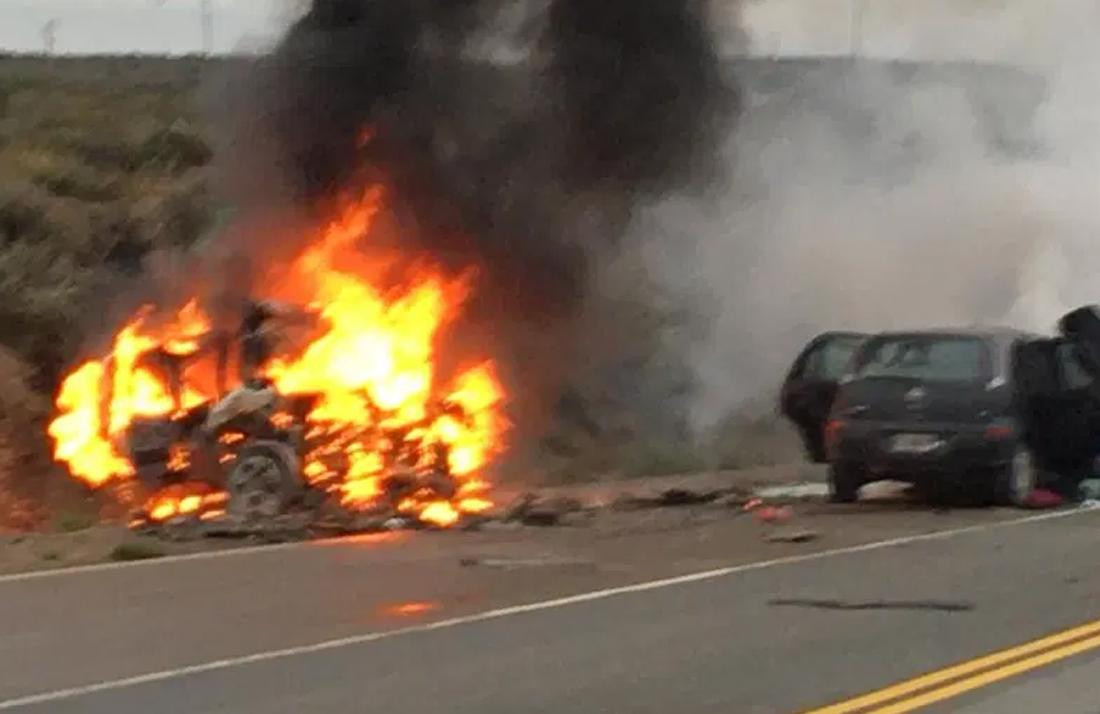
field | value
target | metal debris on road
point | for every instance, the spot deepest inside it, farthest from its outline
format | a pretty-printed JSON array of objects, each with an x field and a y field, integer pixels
[
  {"x": 1089, "y": 490},
  {"x": 773, "y": 514},
  {"x": 791, "y": 535},
  {"x": 794, "y": 491},
  {"x": 933, "y": 605},
  {"x": 509, "y": 563}
]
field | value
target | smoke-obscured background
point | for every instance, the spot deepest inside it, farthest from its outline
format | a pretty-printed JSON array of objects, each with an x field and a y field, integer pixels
[{"x": 867, "y": 193}]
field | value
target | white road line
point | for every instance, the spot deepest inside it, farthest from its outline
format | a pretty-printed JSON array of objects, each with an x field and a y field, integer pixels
[
  {"x": 229, "y": 662},
  {"x": 205, "y": 555}
]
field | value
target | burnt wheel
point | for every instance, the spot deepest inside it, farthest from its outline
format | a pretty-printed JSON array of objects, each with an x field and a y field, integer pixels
[{"x": 264, "y": 479}]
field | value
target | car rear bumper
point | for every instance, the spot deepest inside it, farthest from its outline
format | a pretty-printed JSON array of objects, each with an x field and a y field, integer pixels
[{"x": 960, "y": 448}]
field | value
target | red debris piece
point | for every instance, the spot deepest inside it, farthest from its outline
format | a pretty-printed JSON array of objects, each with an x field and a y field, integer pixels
[{"x": 1042, "y": 498}]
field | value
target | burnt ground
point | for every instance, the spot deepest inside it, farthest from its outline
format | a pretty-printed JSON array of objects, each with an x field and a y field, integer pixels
[{"x": 617, "y": 514}]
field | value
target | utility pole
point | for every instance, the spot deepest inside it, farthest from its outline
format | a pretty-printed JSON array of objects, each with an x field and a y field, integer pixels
[
  {"x": 855, "y": 28},
  {"x": 207, "y": 10},
  {"x": 49, "y": 35}
]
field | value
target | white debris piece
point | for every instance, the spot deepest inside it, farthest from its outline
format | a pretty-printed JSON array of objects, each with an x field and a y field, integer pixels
[
  {"x": 243, "y": 400},
  {"x": 794, "y": 490}
]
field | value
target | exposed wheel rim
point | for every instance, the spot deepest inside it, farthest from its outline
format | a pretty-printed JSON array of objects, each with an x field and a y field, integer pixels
[
  {"x": 255, "y": 487},
  {"x": 1022, "y": 475}
]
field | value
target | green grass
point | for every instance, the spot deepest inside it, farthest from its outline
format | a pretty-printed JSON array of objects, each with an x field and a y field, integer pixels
[{"x": 104, "y": 162}]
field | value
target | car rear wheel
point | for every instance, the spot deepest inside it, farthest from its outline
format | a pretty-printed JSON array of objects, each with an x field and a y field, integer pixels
[
  {"x": 1017, "y": 479},
  {"x": 844, "y": 483}
]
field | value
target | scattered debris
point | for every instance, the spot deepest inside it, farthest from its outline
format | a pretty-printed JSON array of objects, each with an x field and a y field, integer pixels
[
  {"x": 773, "y": 514},
  {"x": 685, "y": 497},
  {"x": 510, "y": 563},
  {"x": 885, "y": 490},
  {"x": 791, "y": 535},
  {"x": 732, "y": 499},
  {"x": 1043, "y": 498},
  {"x": 395, "y": 524},
  {"x": 125, "y": 552},
  {"x": 1089, "y": 490},
  {"x": 794, "y": 491},
  {"x": 529, "y": 509},
  {"x": 631, "y": 502},
  {"x": 307, "y": 513},
  {"x": 934, "y": 605}
]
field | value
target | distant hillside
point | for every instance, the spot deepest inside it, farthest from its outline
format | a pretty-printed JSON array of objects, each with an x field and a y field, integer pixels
[{"x": 101, "y": 162}]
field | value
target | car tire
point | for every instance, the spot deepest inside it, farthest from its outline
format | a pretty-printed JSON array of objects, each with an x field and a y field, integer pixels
[
  {"x": 943, "y": 492},
  {"x": 844, "y": 483},
  {"x": 1014, "y": 482}
]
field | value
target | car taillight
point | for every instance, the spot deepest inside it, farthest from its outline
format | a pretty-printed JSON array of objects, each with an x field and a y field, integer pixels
[{"x": 999, "y": 432}]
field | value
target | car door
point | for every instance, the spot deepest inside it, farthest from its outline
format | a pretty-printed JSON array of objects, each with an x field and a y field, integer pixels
[
  {"x": 1079, "y": 402},
  {"x": 1038, "y": 397},
  {"x": 1058, "y": 403},
  {"x": 811, "y": 385}
]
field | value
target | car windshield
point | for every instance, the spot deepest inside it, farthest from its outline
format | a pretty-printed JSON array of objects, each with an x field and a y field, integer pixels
[{"x": 926, "y": 357}]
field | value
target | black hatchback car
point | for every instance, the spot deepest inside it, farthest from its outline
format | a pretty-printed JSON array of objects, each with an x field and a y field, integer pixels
[{"x": 981, "y": 412}]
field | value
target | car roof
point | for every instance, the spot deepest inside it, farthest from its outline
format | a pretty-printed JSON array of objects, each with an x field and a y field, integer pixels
[
  {"x": 1000, "y": 339},
  {"x": 997, "y": 334}
]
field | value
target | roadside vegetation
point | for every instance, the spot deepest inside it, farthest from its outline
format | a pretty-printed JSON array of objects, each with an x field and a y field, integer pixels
[{"x": 103, "y": 164}]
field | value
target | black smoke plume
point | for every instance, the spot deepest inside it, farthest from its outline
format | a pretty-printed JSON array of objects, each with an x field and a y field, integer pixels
[{"x": 515, "y": 136}]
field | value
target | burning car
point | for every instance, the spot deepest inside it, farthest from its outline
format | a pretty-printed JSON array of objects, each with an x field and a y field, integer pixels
[
  {"x": 990, "y": 412},
  {"x": 329, "y": 392}
]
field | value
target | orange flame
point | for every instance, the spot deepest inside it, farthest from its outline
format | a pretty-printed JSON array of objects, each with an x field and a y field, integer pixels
[
  {"x": 370, "y": 364},
  {"x": 183, "y": 500}
]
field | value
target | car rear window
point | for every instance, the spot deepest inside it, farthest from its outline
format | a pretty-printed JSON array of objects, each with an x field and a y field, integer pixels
[
  {"x": 925, "y": 357},
  {"x": 831, "y": 358}
]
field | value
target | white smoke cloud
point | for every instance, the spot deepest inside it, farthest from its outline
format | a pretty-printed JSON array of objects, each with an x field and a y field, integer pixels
[{"x": 872, "y": 199}]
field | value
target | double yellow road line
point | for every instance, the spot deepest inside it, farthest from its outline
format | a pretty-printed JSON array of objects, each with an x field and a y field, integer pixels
[{"x": 928, "y": 689}]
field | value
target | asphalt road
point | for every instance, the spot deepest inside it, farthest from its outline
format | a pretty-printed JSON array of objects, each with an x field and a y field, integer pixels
[{"x": 402, "y": 624}]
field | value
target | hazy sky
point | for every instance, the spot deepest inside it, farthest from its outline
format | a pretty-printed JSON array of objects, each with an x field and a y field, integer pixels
[
  {"x": 977, "y": 29},
  {"x": 153, "y": 26}
]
